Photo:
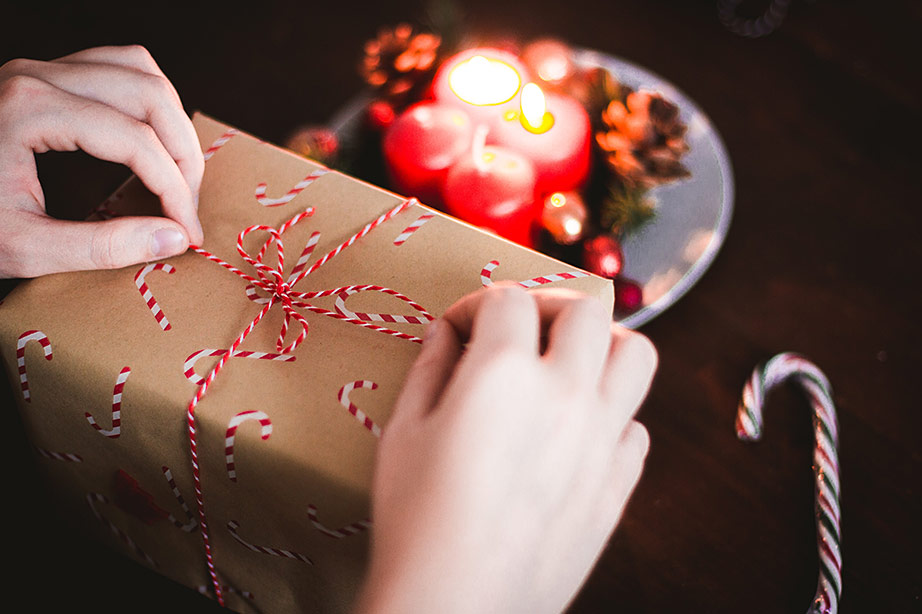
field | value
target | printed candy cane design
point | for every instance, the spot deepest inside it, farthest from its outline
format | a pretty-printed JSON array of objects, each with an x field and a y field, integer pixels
[
  {"x": 116, "y": 429},
  {"x": 236, "y": 421},
  {"x": 92, "y": 498},
  {"x": 146, "y": 294},
  {"x": 26, "y": 337},
  {"x": 233, "y": 525},
  {"x": 195, "y": 378},
  {"x": 825, "y": 459},
  {"x": 486, "y": 276},
  {"x": 348, "y": 291},
  {"x": 191, "y": 523},
  {"x": 203, "y": 589},
  {"x": 219, "y": 143},
  {"x": 265, "y": 201},
  {"x": 409, "y": 230},
  {"x": 343, "y": 397},
  {"x": 346, "y": 531},
  {"x": 60, "y": 456}
]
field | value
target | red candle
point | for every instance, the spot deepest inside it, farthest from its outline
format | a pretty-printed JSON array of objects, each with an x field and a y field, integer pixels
[
  {"x": 552, "y": 131},
  {"x": 421, "y": 145},
  {"x": 484, "y": 82},
  {"x": 494, "y": 188}
]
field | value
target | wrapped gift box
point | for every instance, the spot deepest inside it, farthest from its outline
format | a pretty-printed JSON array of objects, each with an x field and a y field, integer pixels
[{"x": 105, "y": 364}]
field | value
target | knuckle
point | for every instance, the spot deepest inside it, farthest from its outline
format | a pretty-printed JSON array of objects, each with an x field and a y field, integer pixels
[
  {"x": 140, "y": 56},
  {"x": 20, "y": 88},
  {"x": 14, "y": 67},
  {"x": 104, "y": 253},
  {"x": 640, "y": 346}
]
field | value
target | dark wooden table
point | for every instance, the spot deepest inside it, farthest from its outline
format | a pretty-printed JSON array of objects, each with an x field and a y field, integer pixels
[{"x": 821, "y": 120}]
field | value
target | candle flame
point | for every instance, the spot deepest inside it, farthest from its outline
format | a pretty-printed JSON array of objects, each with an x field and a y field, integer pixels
[
  {"x": 533, "y": 106},
  {"x": 484, "y": 81}
]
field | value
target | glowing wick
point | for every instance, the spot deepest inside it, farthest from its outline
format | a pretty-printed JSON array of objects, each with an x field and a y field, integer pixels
[
  {"x": 484, "y": 81},
  {"x": 535, "y": 117}
]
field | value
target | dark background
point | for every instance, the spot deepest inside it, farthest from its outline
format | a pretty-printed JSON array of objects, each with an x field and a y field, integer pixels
[{"x": 821, "y": 120}]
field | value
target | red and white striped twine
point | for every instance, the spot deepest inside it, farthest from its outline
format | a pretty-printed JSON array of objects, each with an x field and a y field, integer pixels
[
  {"x": 92, "y": 498},
  {"x": 232, "y": 527},
  {"x": 219, "y": 143},
  {"x": 409, "y": 230},
  {"x": 346, "y": 531},
  {"x": 343, "y": 397},
  {"x": 195, "y": 378},
  {"x": 149, "y": 299},
  {"x": 26, "y": 337},
  {"x": 265, "y": 201},
  {"x": 486, "y": 276},
  {"x": 60, "y": 456},
  {"x": 116, "y": 429},
  {"x": 265, "y": 430}
]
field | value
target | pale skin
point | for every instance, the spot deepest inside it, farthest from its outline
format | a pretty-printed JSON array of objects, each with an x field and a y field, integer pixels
[{"x": 513, "y": 448}]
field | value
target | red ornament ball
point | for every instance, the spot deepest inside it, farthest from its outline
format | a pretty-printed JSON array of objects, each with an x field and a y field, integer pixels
[
  {"x": 628, "y": 296},
  {"x": 602, "y": 255}
]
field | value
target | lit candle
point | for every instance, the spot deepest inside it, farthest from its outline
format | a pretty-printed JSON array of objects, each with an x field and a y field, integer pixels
[
  {"x": 421, "y": 145},
  {"x": 483, "y": 81},
  {"x": 494, "y": 188},
  {"x": 552, "y": 131}
]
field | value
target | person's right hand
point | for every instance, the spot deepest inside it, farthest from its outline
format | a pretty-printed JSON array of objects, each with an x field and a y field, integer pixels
[
  {"x": 115, "y": 104},
  {"x": 504, "y": 468}
]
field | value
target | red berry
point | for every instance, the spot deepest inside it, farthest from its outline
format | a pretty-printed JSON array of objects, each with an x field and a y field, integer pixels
[
  {"x": 602, "y": 255},
  {"x": 628, "y": 296},
  {"x": 381, "y": 115}
]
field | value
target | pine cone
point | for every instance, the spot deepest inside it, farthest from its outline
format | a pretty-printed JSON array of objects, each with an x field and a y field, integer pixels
[
  {"x": 644, "y": 141},
  {"x": 398, "y": 60}
]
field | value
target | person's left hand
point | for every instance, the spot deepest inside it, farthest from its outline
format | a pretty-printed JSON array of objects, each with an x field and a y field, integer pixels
[{"x": 115, "y": 104}]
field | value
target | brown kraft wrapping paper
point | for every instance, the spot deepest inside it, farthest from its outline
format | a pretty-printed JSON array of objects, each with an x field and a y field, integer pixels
[{"x": 107, "y": 380}]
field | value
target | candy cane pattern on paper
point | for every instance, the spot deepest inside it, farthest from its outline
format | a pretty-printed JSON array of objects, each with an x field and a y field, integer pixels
[
  {"x": 749, "y": 421},
  {"x": 346, "y": 531},
  {"x": 232, "y": 527},
  {"x": 227, "y": 588},
  {"x": 59, "y": 456},
  {"x": 486, "y": 276},
  {"x": 26, "y": 337},
  {"x": 343, "y": 397},
  {"x": 146, "y": 294},
  {"x": 348, "y": 291},
  {"x": 92, "y": 498},
  {"x": 409, "y": 230},
  {"x": 219, "y": 143},
  {"x": 195, "y": 378},
  {"x": 235, "y": 422},
  {"x": 116, "y": 429},
  {"x": 191, "y": 523},
  {"x": 265, "y": 201}
]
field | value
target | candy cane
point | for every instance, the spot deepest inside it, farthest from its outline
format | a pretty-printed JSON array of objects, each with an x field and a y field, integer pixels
[
  {"x": 346, "y": 531},
  {"x": 348, "y": 291},
  {"x": 203, "y": 589},
  {"x": 94, "y": 497},
  {"x": 26, "y": 337},
  {"x": 146, "y": 294},
  {"x": 275, "y": 202},
  {"x": 486, "y": 276},
  {"x": 825, "y": 459},
  {"x": 343, "y": 397},
  {"x": 60, "y": 456},
  {"x": 191, "y": 523},
  {"x": 195, "y": 378},
  {"x": 232, "y": 527},
  {"x": 219, "y": 143},
  {"x": 116, "y": 429},
  {"x": 409, "y": 230},
  {"x": 236, "y": 421}
]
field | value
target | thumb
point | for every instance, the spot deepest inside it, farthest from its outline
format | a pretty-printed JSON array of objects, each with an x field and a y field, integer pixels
[
  {"x": 429, "y": 375},
  {"x": 59, "y": 245}
]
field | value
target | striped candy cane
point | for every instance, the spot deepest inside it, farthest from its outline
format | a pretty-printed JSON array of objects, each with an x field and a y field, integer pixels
[
  {"x": 232, "y": 527},
  {"x": 343, "y": 397},
  {"x": 348, "y": 291},
  {"x": 26, "y": 337},
  {"x": 219, "y": 143},
  {"x": 116, "y": 429},
  {"x": 191, "y": 523},
  {"x": 346, "y": 531},
  {"x": 266, "y": 430},
  {"x": 92, "y": 498},
  {"x": 195, "y": 378},
  {"x": 59, "y": 456},
  {"x": 146, "y": 294},
  {"x": 825, "y": 459},
  {"x": 486, "y": 276},
  {"x": 227, "y": 588},
  {"x": 409, "y": 230},
  {"x": 265, "y": 201}
]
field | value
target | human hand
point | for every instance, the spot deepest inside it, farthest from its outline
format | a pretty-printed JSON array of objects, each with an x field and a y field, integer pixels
[
  {"x": 115, "y": 104},
  {"x": 504, "y": 469}
]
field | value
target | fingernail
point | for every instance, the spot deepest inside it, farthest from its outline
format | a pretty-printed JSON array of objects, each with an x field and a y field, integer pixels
[
  {"x": 432, "y": 330},
  {"x": 167, "y": 242}
]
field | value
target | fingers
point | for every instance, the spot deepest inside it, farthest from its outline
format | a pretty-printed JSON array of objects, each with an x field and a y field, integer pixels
[
  {"x": 628, "y": 373},
  {"x": 578, "y": 339},
  {"x": 430, "y": 373},
  {"x": 499, "y": 317},
  {"x": 626, "y": 468},
  {"x": 48, "y": 245}
]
